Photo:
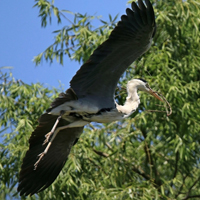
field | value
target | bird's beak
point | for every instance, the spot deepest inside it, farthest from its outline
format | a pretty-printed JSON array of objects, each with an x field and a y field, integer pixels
[{"x": 154, "y": 94}]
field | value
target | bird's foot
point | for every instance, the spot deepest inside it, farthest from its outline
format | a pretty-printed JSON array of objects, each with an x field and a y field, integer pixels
[
  {"x": 40, "y": 158},
  {"x": 52, "y": 133},
  {"x": 47, "y": 136}
]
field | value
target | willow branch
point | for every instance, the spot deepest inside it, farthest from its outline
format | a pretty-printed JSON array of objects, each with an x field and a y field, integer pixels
[
  {"x": 135, "y": 169},
  {"x": 191, "y": 196},
  {"x": 183, "y": 183},
  {"x": 97, "y": 166}
]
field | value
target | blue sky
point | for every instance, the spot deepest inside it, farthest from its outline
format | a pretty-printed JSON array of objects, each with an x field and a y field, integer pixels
[{"x": 22, "y": 37}]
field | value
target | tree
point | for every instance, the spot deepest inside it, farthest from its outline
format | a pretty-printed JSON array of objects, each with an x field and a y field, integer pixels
[{"x": 147, "y": 156}]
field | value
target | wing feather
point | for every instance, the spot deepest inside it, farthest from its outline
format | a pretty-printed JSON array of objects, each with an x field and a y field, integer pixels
[
  {"x": 96, "y": 80},
  {"x": 32, "y": 181}
]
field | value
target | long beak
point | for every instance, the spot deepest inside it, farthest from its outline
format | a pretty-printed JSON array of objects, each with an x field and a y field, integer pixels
[{"x": 154, "y": 94}]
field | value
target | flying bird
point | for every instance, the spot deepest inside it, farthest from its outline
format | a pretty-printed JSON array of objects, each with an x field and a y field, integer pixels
[{"x": 90, "y": 98}]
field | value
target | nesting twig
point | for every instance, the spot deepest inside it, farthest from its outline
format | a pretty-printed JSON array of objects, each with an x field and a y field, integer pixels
[
  {"x": 169, "y": 112},
  {"x": 168, "y": 105}
]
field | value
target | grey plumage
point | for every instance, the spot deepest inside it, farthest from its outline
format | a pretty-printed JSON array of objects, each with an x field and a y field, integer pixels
[
  {"x": 90, "y": 98},
  {"x": 98, "y": 77}
]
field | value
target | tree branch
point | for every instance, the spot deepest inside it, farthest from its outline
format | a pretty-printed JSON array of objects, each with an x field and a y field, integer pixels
[
  {"x": 176, "y": 167},
  {"x": 147, "y": 150},
  {"x": 183, "y": 183},
  {"x": 105, "y": 155},
  {"x": 192, "y": 196},
  {"x": 135, "y": 169},
  {"x": 108, "y": 145},
  {"x": 97, "y": 165}
]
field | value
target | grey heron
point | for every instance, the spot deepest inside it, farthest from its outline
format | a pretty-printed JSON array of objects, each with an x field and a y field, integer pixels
[{"x": 89, "y": 99}]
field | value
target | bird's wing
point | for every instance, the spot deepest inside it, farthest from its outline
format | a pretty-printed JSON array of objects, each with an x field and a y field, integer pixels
[
  {"x": 32, "y": 181},
  {"x": 69, "y": 95},
  {"x": 132, "y": 36}
]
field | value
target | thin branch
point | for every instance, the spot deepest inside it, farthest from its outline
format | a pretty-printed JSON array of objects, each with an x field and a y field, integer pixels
[
  {"x": 192, "y": 196},
  {"x": 194, "y": 184},
  {"x": 105, "y": 155},
  {"x": 155, "y": 111},
  {"x": 170, "y": 108},
  {"x": 97, "y": 165},
  {"x": 160, "y": 105},
  {"x": 183, "y": 183},
  {"x": 91, "y": 126},
  {"x": 135, "y": 169},
  {"x": 120, "y": 94},
  {"x": 61, "y": 13},
  {"x": 176, "y": 167},
  {"x": 150, "y": 160},
  {"x": 141, "y": 172},
  {"x": 175, "y": 171},
  {"x": 108, "y": 145},
  {"x": 188, "y": 196}
]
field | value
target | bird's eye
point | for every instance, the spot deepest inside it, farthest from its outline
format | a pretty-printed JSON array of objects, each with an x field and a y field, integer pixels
[{"x": 147, "y": 85}]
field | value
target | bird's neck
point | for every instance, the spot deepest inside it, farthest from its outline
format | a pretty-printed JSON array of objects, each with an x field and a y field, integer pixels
[{"x": 131, "y": 104}]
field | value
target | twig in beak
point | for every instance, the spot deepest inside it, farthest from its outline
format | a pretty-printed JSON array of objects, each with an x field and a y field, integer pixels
[{"x": 169, "y": 112}]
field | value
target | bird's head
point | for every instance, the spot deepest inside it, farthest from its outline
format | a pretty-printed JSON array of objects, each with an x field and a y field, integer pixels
[{"x": 141, "y": 84}]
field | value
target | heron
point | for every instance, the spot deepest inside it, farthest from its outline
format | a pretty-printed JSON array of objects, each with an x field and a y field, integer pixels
[{"x": 90, "y": 98}]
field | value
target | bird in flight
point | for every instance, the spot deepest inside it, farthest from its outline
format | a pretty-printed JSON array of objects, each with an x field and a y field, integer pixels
[{"x": 90, "y": 98}]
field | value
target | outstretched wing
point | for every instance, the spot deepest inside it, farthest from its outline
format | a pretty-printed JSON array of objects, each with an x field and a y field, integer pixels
[
  {"x": 32, "y": 181},
  {"x": 98, "y": 77}
]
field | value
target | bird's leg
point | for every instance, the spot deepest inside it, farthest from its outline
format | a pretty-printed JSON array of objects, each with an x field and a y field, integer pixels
[
  {"x": 78, "y": 123},
  {"x": 48, "y": 135}
]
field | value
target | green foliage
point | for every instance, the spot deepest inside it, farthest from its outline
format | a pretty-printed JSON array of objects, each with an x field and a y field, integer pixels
[
  {"x": 147, "y": 156},
  {"x": 46, "y": 9},
  {"x": 20, "y": 106},
  {"x": 78, "y": 40}
]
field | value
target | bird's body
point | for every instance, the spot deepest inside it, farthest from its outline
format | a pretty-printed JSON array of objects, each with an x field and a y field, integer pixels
[
  {"x": 90, "y": 99},
  {"x": 86, "y": 111}
]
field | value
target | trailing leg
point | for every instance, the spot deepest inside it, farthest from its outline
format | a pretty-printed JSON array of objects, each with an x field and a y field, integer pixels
[{"x": 79, "y": 123}]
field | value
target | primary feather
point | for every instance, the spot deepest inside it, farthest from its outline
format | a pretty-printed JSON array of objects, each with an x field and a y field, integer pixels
[{"x": 94, "y": 84}]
